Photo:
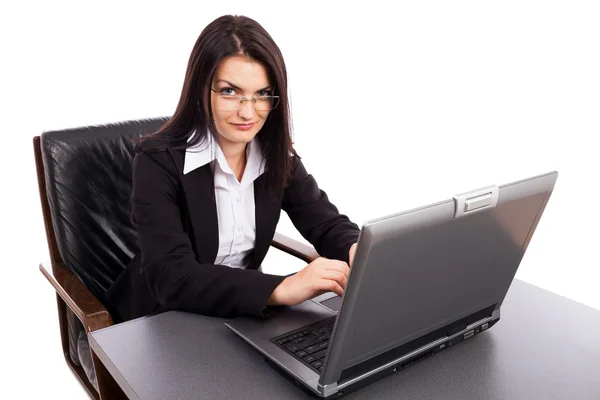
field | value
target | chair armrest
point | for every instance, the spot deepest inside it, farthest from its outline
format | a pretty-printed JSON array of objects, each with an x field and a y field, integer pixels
[
  {"x": 92, "y": 314},
  {"x": 295, "y": 248}
]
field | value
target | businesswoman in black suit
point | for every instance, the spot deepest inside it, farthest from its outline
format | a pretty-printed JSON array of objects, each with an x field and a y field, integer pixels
[{"x": 209, "y": 186}]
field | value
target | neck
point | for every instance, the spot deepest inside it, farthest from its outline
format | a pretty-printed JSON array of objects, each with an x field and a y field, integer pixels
[{"x": 235, "y": 154}]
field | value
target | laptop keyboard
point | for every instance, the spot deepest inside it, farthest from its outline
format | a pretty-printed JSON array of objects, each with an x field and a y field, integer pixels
[{"x": 308, "y": 344}]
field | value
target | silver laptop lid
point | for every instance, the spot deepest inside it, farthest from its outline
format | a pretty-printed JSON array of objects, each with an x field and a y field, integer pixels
[{"x": 420, "y": 270}]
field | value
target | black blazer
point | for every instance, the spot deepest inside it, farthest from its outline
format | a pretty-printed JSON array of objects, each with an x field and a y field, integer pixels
[{"x": 175, "y": 217}]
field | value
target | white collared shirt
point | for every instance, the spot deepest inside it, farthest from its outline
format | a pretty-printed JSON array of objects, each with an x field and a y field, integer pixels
[{"x": 235, "y": 200}]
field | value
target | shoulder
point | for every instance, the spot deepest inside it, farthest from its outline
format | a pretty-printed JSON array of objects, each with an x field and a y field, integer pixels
[
  {"x": 300, "y": 182},
  {"x": 157, "y": 167},
  {"x": 298, "y": 171},
  {"x": 168, "y": 160}
]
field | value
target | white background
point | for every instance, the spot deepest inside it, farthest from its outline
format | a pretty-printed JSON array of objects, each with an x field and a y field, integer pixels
[{"x": 393, "y": 108}]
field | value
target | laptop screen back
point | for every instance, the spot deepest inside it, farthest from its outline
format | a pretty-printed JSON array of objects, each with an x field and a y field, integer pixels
[{"x": 421, "y": 270}]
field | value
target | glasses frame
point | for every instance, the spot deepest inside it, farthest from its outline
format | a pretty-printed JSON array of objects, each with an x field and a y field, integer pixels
[{"x": 244, "y": 99}]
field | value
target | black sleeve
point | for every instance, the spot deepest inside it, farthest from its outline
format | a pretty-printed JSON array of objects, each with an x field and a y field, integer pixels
[
  {"x": 316, "y": 218},
  {"x": 174, "y": 277}
]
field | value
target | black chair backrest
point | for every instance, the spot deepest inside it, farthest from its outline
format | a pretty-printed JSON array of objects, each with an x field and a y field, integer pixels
[{"x": 88, "y": 183}]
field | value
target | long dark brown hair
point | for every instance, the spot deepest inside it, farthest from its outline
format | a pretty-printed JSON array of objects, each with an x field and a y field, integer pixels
[{"x": 228, "y": 36}]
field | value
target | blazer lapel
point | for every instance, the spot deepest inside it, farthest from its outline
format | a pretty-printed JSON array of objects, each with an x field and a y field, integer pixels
[
  {"x": 198, "y": 186},
  {"x": 267, "y": 212}
]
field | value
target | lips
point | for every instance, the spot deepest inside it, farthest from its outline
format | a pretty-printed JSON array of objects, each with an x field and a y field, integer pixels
[{"x": 243, "y": 127}]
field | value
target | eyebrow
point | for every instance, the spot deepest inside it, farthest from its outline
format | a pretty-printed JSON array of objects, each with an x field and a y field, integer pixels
[{"x": 239, "y": 88}]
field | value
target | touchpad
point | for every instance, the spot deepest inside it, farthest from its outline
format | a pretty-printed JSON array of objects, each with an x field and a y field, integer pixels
[{"x": 334, "y": 303}]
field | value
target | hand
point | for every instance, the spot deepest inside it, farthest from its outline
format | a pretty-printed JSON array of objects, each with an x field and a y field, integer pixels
[
  {"x": 352, "y": 251},
  {"x": 320, "y": 276}
]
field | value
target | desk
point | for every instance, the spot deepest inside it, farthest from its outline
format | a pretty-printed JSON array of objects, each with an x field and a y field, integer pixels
[{"x": 544, "y": 347}]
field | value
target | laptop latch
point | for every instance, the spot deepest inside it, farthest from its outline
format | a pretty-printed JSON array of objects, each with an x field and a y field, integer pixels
[{"x": 475, "y": 201}]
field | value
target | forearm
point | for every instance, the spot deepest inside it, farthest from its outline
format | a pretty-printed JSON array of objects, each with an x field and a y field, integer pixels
[
  {"x": 210, "y": 289},
  {"x": 351, "y": 254},
  {"x": 335, "y": 243}
]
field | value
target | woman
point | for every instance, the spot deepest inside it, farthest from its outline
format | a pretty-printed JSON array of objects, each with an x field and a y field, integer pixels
[{"x": 209, "y": 186}]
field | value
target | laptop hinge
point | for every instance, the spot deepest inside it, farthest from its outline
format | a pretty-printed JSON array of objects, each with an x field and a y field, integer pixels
[{"x": 475, "y": 201}]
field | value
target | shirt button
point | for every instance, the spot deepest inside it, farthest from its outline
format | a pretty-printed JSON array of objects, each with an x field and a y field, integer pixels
[
  {"x": 240, "y": 228},
  {"x": 240, "y": 199}
]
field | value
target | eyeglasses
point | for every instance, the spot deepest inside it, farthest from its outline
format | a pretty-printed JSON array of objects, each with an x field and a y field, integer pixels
[{"x": 236, "y": 102}]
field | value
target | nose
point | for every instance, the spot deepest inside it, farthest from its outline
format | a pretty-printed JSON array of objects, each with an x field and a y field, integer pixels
[{"x": 247, "y": 111}]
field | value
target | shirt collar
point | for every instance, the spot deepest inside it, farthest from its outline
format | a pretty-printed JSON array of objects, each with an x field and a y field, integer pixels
[
  {"x": 199, "y": 154},
  {"x": 209, "y": 150}
]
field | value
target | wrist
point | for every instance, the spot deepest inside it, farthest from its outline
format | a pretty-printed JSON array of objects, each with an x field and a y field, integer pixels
[
  {"x": 277, "y": 298},
  {"x": 351, "y": 252}
]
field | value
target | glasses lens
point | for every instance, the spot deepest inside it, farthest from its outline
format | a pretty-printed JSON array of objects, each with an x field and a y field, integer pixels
[
  {"x": 230, "y": 102},
  {"x": 266, "y": 103}
]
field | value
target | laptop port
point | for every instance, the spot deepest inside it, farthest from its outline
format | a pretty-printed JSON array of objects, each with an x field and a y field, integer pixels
[{"x": 469, "y": 334}]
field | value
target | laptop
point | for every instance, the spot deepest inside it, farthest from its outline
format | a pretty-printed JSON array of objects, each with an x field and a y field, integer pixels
[{"x": 423, "y": 281}]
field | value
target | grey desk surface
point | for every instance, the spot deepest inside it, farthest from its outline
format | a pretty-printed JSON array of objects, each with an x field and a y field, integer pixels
[{"x": 544, "y": 347}]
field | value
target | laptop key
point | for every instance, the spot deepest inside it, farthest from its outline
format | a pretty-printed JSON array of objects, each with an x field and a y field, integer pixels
[
  {"x": 291, "y": 346},
  {"x": 309, "y": 359},
  {"x": 322, "y": 345},
  {"x": 301, "y": 353},
  {"x": 284, "y": 340},
  {"x": 320, "y": 354},
  {"x": 311, "y": 349},
  {"x": 317, "y": 364}
]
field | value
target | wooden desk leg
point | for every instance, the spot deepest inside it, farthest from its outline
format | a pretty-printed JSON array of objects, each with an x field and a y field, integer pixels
[{"x": 109, "y": 388}]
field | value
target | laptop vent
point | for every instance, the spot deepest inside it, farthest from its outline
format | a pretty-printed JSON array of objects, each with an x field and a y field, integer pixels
[{"x": 416, "y": 359}]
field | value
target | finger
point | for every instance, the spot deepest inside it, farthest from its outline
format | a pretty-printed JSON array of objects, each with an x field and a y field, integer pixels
[
  {"x": 339, "y": 267},
  {"x": 331, "y": 286},
  {"x": 336, "y": 276}
]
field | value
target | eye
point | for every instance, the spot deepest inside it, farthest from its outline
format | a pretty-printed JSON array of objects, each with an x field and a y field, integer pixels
[
  {"x": 227, "y": 92},
  {"x": 262, "y": 93}
]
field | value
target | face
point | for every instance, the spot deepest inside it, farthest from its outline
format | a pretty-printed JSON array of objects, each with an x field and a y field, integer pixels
[{"x": 238, "y": 75}]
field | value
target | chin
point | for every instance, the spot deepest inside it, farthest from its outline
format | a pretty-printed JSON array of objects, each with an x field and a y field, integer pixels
[{"x": 237, "y": 136}]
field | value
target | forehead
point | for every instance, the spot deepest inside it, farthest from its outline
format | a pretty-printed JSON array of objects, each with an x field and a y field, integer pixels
[{"x": 243, "y": 72}]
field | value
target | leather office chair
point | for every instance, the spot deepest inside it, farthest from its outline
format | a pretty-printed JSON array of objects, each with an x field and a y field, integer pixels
[{"x": 84, "y": 177}]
